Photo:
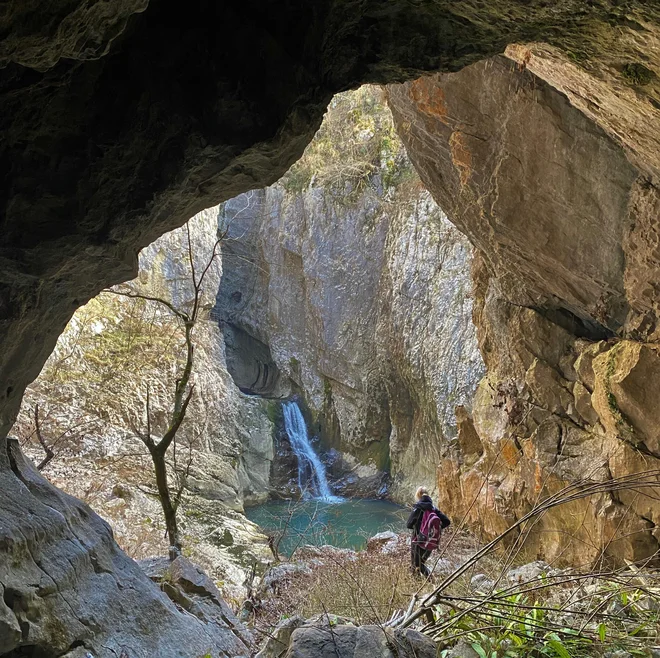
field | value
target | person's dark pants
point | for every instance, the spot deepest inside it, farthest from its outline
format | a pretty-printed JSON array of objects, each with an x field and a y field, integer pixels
[{"x": 419, "y": 556}]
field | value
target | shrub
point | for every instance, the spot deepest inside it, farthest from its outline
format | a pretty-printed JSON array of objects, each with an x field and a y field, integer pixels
[{"x": 356, "y": 141}]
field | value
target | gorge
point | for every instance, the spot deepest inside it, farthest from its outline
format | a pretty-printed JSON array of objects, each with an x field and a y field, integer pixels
[
  {"x": 244, "y": 441},
  {"x": 536, "y": 133}
]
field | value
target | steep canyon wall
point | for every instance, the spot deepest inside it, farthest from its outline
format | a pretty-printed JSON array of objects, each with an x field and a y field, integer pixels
[
  {"x": 544, "y": 164},
  {"x": 361, "y": 291}
]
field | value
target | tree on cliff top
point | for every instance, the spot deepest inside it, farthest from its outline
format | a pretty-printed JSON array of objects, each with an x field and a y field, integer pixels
[{"x": 356, "y": 142}]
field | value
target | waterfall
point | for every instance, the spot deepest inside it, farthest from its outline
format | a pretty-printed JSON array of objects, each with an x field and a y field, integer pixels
[{"x": 296, "y": 430}]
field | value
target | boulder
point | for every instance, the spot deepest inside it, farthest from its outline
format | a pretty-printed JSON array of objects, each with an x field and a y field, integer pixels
[
  {"x": 281, "y": 572},
  {"x": 307, "y": 552},
  {"x": 66, "y": 584},
  {"x": 278, "y": 641},
  {"x": 625, "y": 393},
  {"x": 481, "y": 583},
  {"x": 358, "y": 642},
  {"x": 442, "y": 565},
  {"x": 383, "y": 542},
  {"x": 529, "y": 572},
  {"x": 584, "y": 363},
  {"x": 462, "y": 650},
  {"x": 583, "y": 404}
]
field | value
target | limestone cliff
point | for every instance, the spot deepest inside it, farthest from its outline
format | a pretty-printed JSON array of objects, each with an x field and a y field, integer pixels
[
  {"x": 545, "y": 165},
  {"x": 358, "y": 288},
  {"x": 92, "y": 398}
]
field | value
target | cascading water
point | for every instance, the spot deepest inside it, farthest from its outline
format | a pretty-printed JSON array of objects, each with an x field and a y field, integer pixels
[{"x": 296, "y": 430}]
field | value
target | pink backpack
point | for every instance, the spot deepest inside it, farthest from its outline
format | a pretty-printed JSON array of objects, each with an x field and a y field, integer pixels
[{"x": 429, "y": 531}]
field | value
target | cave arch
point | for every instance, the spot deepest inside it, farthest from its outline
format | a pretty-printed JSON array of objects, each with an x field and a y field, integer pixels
[{"x": 119, "y": 125}]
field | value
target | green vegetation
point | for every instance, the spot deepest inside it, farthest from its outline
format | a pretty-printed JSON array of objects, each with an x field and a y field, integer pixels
[
  {"x": 355, "y": 146},
  {"x": 294, "y": 364},
  {"x": 621, "y": 423},
  {"x": 577, "y": 56},
  {"x": 637, "y": 74},
  {"x": 569, "y": 620},
  {"x": 327, "y": 391}
]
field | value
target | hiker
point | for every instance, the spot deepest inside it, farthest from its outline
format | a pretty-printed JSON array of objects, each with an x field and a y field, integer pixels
[{"x": 427, "y": 523}]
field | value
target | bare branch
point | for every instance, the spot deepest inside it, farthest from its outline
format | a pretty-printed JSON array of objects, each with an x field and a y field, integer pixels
[
  {"x": 213, "y": 256},
  {"x": 191, "y": 259},
  {"x": 47, "y": 449},
  {"x": 149, "y": 298},
  {"x": 168, "y": 437}
]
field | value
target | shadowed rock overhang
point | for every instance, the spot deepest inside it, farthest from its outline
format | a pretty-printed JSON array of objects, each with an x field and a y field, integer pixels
[{"x": 120, "y": 121}]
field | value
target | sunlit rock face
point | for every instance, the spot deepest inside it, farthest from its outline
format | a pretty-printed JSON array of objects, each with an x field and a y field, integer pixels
[
  {"x": 547, "y": 169},
  {"x": 365, "y": 304}
]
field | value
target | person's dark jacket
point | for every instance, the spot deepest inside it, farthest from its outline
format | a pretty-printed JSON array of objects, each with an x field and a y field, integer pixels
[{"x": 415, "y": 519}]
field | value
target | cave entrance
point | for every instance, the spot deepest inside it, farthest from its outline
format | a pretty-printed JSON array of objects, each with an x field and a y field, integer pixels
[{"x": 325, "y": 275}]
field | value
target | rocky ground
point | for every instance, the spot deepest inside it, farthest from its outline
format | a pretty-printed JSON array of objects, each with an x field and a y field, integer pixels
[{"x": 506, "y": 609}]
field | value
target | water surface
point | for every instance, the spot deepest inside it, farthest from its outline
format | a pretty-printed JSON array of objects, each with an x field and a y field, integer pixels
[{"x": 345, "y": 524}]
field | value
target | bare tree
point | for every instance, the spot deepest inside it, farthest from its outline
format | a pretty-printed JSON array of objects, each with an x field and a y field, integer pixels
[
  {"x": 182, "y": 394},
  {"x": 47, "y": 449}
]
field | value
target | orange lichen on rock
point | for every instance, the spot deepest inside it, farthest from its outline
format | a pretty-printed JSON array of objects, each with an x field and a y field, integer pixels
[
  {"x": 429, "y": 98},
  {"x": 510, "y": 453},
  {"x": 461, "y": 156}
]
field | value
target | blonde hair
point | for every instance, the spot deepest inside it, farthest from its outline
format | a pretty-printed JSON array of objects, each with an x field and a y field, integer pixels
[{"x": 421, "y": 491}]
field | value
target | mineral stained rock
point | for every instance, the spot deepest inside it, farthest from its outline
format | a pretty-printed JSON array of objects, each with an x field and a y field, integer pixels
[{"x": 545, "y": 166}]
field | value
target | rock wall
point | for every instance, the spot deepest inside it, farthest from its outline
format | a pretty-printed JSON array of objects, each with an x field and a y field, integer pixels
[
  {"x": 544, "y": 165},
  {"x": 67, "y": 588},
  {"x": 92, "y": 398},
  {"x": 362, "y": 294}
]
